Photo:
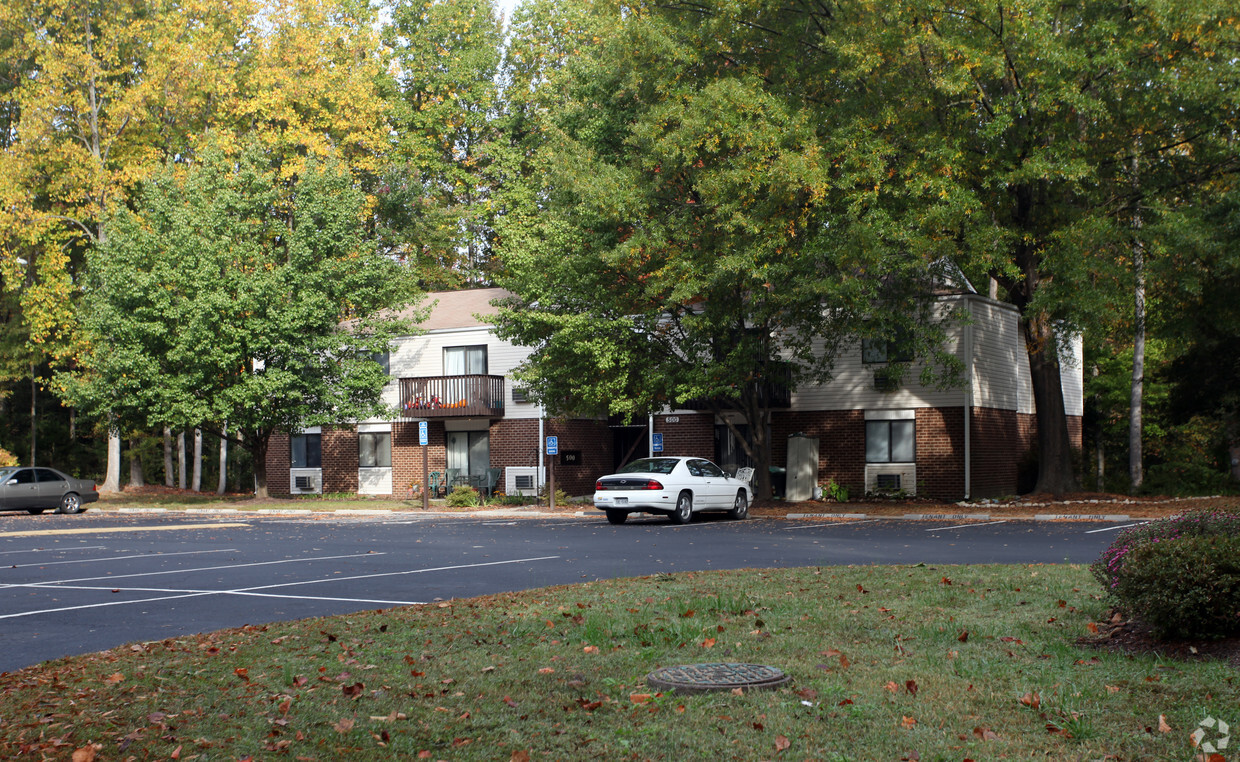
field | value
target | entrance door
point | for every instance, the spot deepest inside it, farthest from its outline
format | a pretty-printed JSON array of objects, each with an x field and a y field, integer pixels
[{"x": 469, "y": 453}]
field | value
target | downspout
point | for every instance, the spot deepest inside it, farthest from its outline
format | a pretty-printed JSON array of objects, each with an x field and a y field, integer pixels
[
  {"x": 650, "y": 435},
  {"x": 968, "y": 400}
]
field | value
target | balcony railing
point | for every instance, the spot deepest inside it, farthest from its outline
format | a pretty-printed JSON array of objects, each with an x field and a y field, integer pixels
[{"x": 452, "y": 397}]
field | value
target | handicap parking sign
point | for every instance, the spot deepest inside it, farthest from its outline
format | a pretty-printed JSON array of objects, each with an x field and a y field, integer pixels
[
  {"x": 423, "y": 436},
  {"x": 656, "y": 442},
  {"x": 553, "y": 445}
]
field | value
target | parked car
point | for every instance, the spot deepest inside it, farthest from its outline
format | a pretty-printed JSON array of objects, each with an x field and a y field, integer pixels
[
  {"x": 678, "y": 487},
  {"x": 37, "y": 489}
]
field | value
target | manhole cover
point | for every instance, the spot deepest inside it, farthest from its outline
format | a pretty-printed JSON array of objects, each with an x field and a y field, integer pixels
[{"x": 699, "y": 678}]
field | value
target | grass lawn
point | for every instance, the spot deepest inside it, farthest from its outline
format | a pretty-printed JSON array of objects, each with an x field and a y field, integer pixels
[{"x": 888, "y": 663}]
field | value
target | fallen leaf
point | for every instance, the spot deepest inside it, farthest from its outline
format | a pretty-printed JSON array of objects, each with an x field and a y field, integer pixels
[
  {"x": 708, "y": 643},
  {"x": 521, "y": 755},
  {"x": 911, "y": 687},
  {"x": 242, "y": 673},
  {"x": 352, "y": 691},
  {"x": 87, "y": 753},
  {"x": 344, "y": 725},
  {"x": 1031, "y": 700},
  {"x": 963, "y": 637},
  {"x": 639, "y": 698},
  {"x": 510, "y": 702},
  {"x": 591, "y": 649},
  {"x": 1092, "y": 627},
  {"x": 782, "y": 743},
  {"x": 1113, "y": 689},
  {"x": 986, "y": 734},
  {"x": 892, "y": 687},
  {"x": 1163, "y": 727},
  {"x": 546, "y": 670},
  {"x": 907, "y": 722},
  {"x": 114, "y": 678}
]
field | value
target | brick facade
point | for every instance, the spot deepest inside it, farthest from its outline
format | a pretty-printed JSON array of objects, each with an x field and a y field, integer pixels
[
  {"x": 940, "y": 452},
  {"x": 689, "y": 434},
  {"x": 841, "y": 443},
  {"x": 339, "y": 459},
  {"x": 278, "y": 461}
]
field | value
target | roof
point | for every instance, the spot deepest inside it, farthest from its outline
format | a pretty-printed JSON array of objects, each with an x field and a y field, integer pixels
[{"x": 459, "y": 309}]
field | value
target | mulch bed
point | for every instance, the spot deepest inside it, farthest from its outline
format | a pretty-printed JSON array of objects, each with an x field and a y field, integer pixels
[{"x": 1128, "y": 636}]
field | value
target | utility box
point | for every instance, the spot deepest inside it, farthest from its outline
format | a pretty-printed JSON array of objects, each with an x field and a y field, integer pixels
[{"x": 802, "y": 467}]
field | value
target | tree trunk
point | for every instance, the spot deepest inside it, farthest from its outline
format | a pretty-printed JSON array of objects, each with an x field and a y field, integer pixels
[
  {"x": 181, "y": 482},
  {"x": 1096, "y": 433},
  {"x": 1136, "y": 473},
  {"x": 135, "y": 465},
  {"x": 197, "y": 472},
  {"x": 258, "y": 452},
  {"x": 112, "y": 479},
  {"x": 34, "y": 416},
  {"x": 222, "y": 486},
  {"x": 169, "y": 475},
  {"x": 1055, "y": 472}
]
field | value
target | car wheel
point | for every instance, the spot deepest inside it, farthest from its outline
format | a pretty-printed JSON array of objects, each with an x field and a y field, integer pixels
[
  {"x": 616, "y": 517},
  {"x": 740, "y": 506},
  {"x": 70, "y": 503},
  {"x": 35, "y": 511},
  {"x": 684, "y": 509}
]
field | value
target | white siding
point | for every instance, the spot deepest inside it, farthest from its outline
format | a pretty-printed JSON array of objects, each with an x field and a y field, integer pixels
[
  {"x": 417, "y": 356},
  {"x": 1000, "y": 366}
]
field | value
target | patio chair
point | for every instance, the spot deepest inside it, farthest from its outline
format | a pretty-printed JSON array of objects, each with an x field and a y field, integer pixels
[
  {"x": 745, "y": 474},
  {"x": 493, "y": 475},
  {"x": 435, "y": 484},
  {"x": 451, "y": 479}
]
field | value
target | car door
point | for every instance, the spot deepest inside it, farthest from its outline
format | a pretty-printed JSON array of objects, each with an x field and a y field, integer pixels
[
  {"x": 713, "y": 483},
  {"x": 51, "y": 488},
  {"x": 19, "y": 490}
]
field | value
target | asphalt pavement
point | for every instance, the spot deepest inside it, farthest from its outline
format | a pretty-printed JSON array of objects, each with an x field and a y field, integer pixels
[{"x": 77, "y": 584}]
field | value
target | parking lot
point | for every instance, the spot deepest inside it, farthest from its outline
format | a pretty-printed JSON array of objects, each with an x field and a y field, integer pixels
[{"x": 77, "y": 584}]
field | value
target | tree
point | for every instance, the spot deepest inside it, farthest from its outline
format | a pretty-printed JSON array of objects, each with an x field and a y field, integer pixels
[
  {"x": 691, "y": 244},
  {"x": 435, "y": 201},
  {"x": 227, "y": 304},
  {"x": 97, "y": 94}
]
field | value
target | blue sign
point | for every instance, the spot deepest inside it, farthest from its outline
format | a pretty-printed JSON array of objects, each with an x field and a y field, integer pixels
[
  {"x": 656, "y": 442},
  {"x": 423, "y": 435},
  {"x": 553, "y": 445}
]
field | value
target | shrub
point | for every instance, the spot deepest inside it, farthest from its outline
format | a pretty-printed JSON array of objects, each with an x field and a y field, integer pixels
[
  {"x": 836, "y": 491},
  {"x": 463, "y": 496},
  {"x": 1186, "y": 479},
  {"x": 7, "y": 458},
  {"x": 1180, "y": 575}
]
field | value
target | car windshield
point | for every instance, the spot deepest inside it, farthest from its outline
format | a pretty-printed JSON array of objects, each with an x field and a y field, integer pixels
[
  {"x": 650, "y": 466},
  {"x": 6, "y": 473}
]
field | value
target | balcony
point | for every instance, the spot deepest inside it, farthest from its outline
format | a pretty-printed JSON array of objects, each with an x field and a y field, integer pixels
[{"x": 452, "y": 397}]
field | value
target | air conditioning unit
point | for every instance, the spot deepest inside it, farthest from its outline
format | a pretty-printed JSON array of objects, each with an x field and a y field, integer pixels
[
  {"x": 885, "y": 382},
  {"x": 519, "y": 394},
  {"x": 306, "y": 483},
  {"x": 889, "y": 478},
  {"x": 523, "y": 480}
]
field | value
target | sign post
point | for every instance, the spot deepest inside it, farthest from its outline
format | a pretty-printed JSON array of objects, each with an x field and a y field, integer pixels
[
  {"x": 553, "y": 448},
  {"x": 424, "y": 440}
]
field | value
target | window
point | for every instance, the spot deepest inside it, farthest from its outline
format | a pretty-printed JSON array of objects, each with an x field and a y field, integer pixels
[
  {"x": 469, "y": 454},
  {"x": 306, "y": 450},
  {"x": 881, "y": 350},
  {"x": 374, "y": 450},
  {"x": 889, "y": 441},
  {"x": 465, "y": 361},
  {"x": 384, "y": 360}
]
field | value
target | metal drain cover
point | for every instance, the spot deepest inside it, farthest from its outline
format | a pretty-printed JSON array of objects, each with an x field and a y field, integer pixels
[{"x": 726, "y": 676}]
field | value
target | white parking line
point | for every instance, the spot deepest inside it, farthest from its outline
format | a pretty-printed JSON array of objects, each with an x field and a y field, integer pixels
[
  {"x": 248, "y": 591},
  {"x": 198, "y": 569},
  {"x": 833, "y": 524},
  {"x": 1112, "y": 529},
  {"x": 52, "y": 550},
  {"x": 41, "y": 564},
  {"x": 965, "y": 526}
]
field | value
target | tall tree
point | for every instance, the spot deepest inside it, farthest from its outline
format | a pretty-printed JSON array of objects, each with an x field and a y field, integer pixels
[
  {"x": 693, "y": 246},
  {"x": 435, "y": 201},
  {"x": 237, "y": 305}
]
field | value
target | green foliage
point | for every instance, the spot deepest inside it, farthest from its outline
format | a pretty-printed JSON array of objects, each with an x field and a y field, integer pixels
[
  {"x": 836, "y": 491},
  {"x": 216, "y": 305},
  {"x": 463, "y": 496},
  {"x": 1180, "y": 575}
]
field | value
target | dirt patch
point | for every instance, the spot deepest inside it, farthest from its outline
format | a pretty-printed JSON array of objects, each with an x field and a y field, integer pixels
[{"x": 1129, "y": 636}]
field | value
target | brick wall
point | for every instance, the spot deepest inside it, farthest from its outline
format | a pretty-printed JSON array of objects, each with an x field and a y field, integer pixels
[
  {"x": 691, "y": 434},
  {"x": 593, "y": 439},
  {"x": 339, "y": 459},
  {"x": 841, "y": 443},
  {"x": 278, "y": 465},
  {"x": 407, "y": 455},
  {"x": 940, "y": 452},
  {"x": 999, "y": 439}
]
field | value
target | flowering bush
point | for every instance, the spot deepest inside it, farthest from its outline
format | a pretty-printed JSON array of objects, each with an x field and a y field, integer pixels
[{"x": 1180, "y": 575}]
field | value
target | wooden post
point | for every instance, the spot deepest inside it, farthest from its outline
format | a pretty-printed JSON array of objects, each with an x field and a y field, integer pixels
[{"x": 426, "y": 478}]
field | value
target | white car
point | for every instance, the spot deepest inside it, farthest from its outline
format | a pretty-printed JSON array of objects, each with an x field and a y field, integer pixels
[{"x": 678, "y": 487}]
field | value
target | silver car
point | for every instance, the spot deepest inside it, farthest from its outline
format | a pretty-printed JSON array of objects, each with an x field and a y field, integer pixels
[
  {"x": 37, "y": 489},
  {"x": 677, "y": 487}
]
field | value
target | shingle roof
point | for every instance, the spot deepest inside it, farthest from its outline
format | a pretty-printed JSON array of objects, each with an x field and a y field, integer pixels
[{"x": 457, "y": 309}]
